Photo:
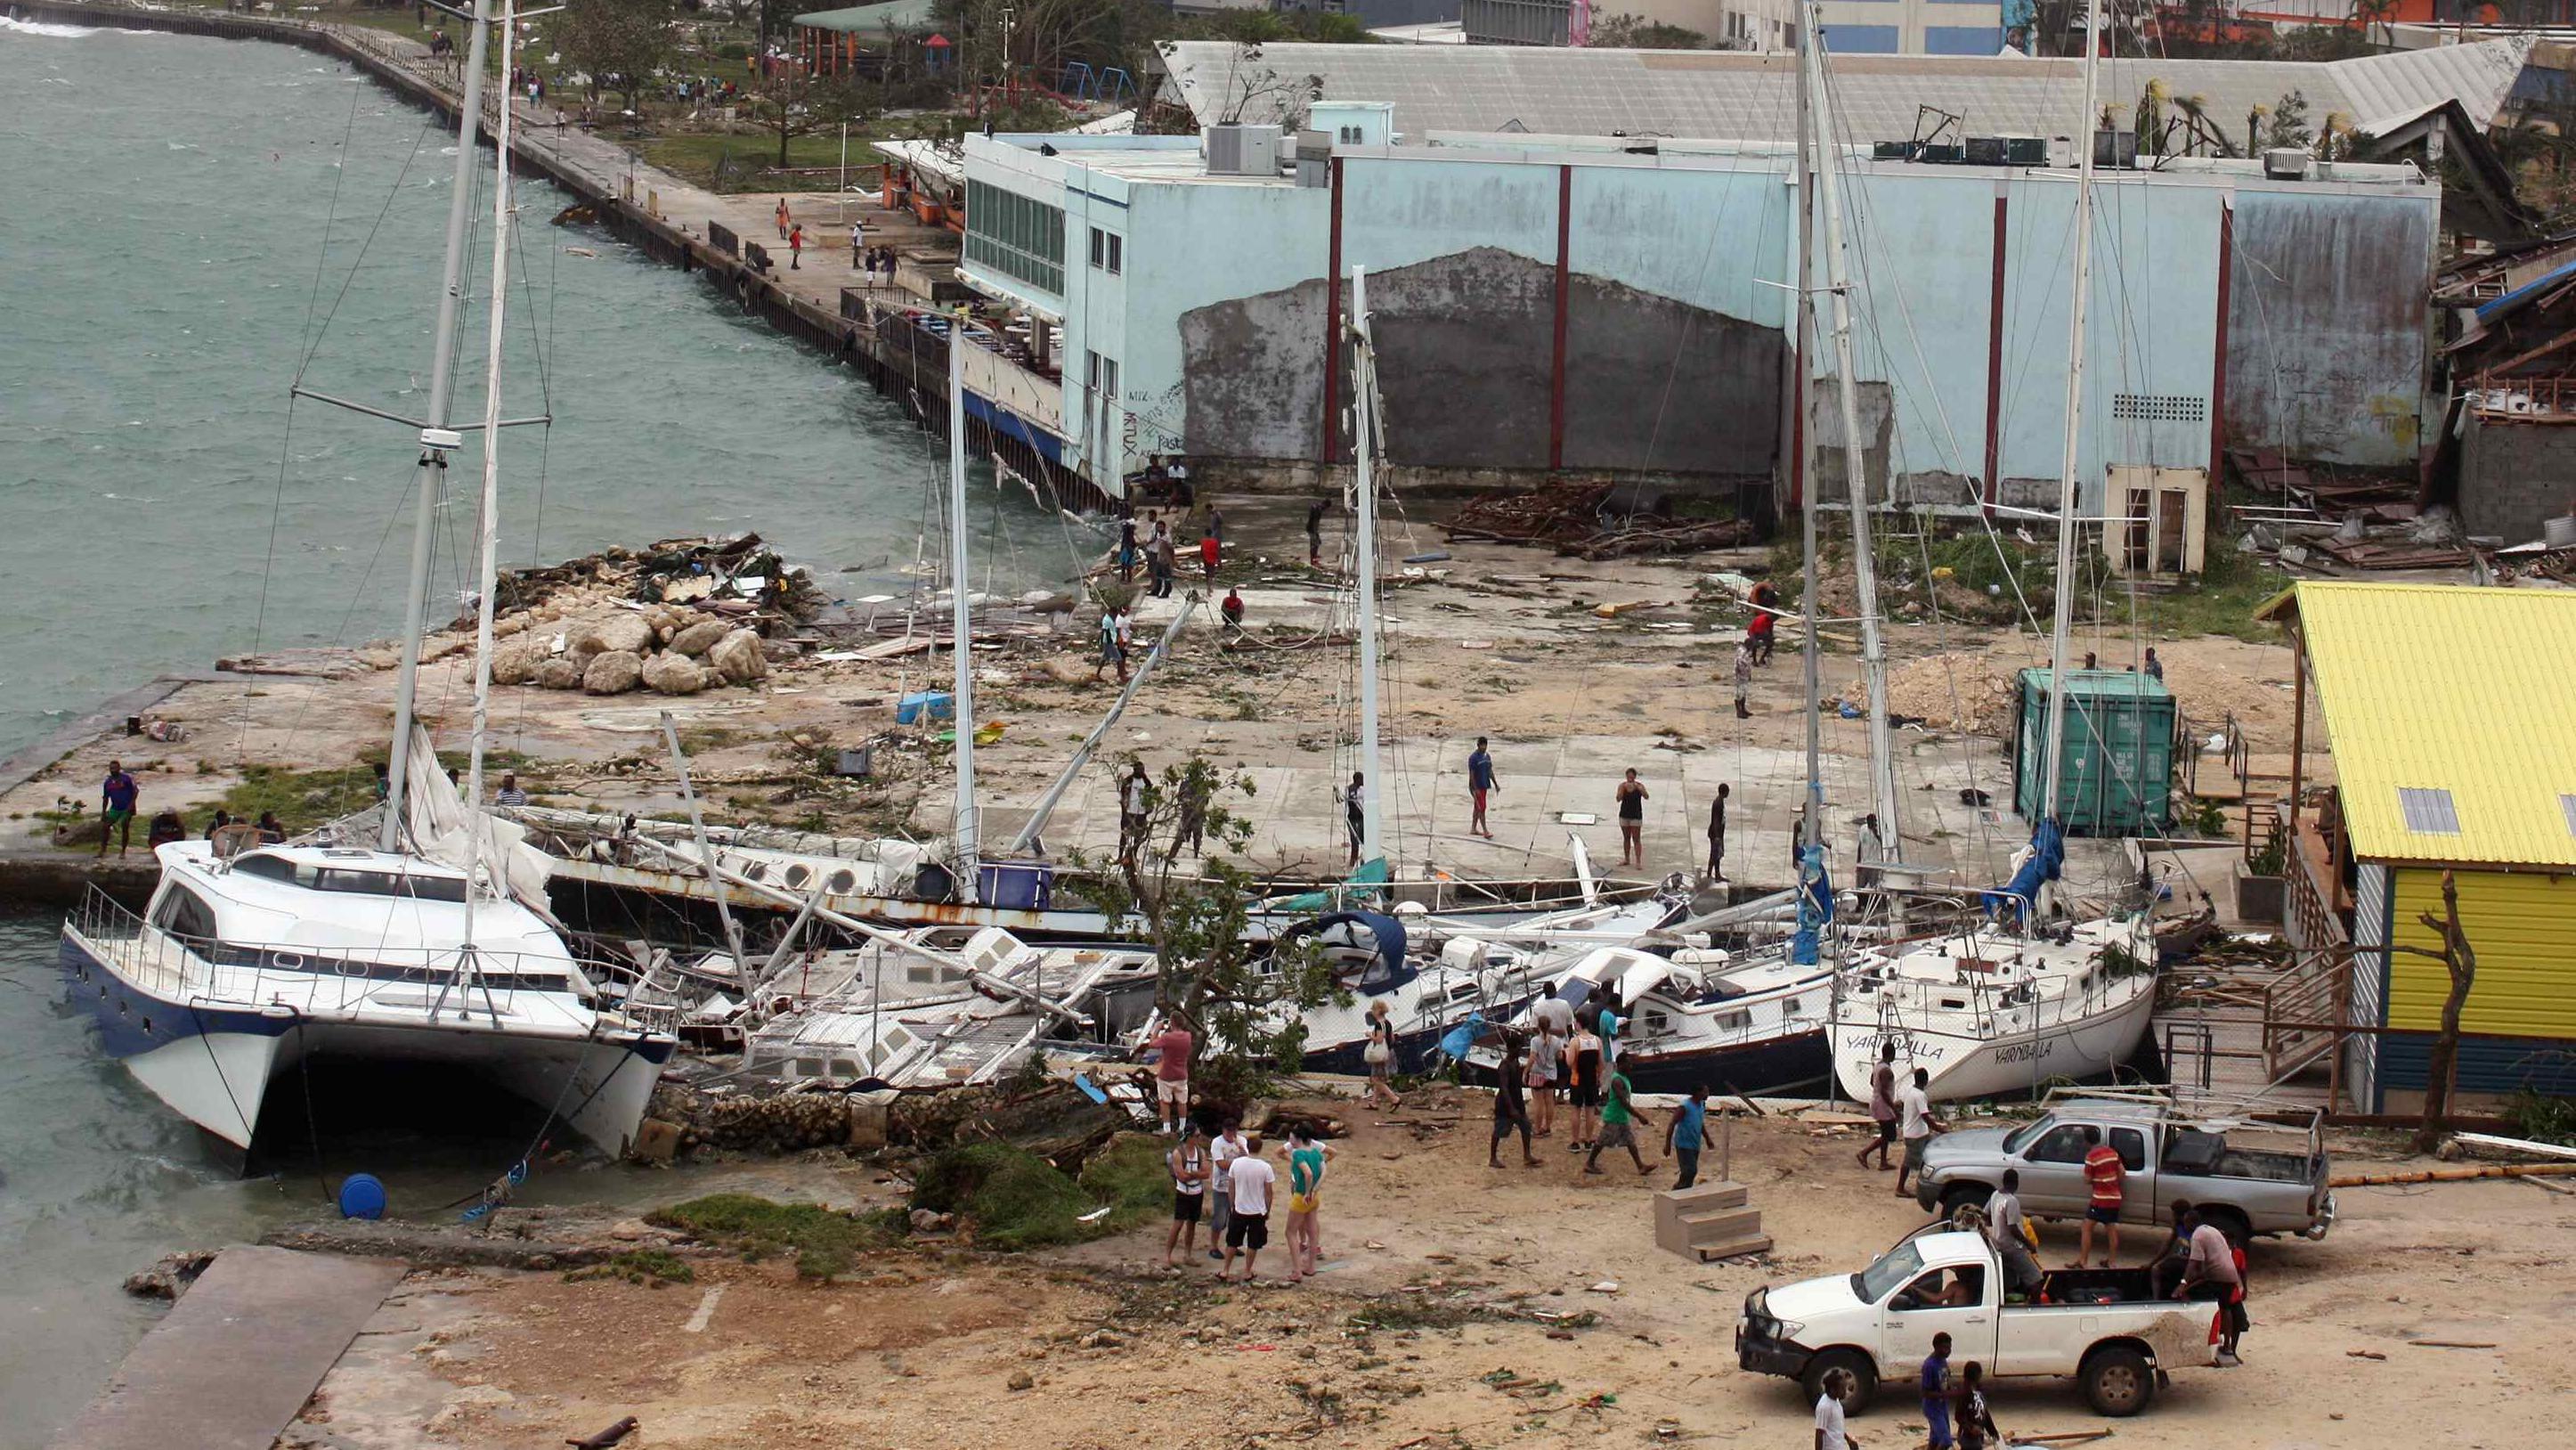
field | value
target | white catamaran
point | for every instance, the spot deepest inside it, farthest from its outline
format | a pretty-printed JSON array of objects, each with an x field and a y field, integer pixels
[{"x": 255, "y": 958}]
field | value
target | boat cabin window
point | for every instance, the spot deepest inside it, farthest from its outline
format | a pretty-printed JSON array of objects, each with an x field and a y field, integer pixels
[
  {"x": 351, "y": 880},
  {"x": 184, "y": 913},
  {"x": 1740, "y": 1020},
  {"x": 2062, "y": 1144}
]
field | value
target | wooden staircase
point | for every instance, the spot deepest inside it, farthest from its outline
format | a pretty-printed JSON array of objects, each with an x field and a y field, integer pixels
[{"x": 1709, "y": 1221}]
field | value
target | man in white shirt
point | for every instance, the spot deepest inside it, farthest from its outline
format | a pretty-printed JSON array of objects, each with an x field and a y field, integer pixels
[
  {"x": 2006, "y": 1227},
  {"x": 1830, "y": 1434},
  {"x": 1915, "y": 1120},
  {"x": 1229, "y": 1145},
  {"x": 1249, "y": 1227}
]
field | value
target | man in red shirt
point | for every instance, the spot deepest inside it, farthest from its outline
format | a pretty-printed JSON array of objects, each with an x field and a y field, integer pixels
[
  {"x": 2105, "y": 1177},
  {"x": 1172, "y": 1070}
]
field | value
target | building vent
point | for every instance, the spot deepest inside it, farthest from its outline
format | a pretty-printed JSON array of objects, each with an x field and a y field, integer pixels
[
  {"x": 2160, "y": 407},
  {"x": 1243, "y": 150},
  {"x": 2428, "y": 812},
  {"x": 2567, "y": 808}
]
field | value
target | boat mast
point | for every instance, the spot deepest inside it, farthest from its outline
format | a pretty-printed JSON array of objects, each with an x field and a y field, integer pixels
[
  {"x": 1364, "y": 485},
  {"x": 961, "y": 621},
  {"x": 2067, "y": 492},
  {"x": 1811, "y": 827},
  {"x": 1873, "y": 650},
  {"x": 487, "y": 566},
  {"x": 436, "y": 441}
]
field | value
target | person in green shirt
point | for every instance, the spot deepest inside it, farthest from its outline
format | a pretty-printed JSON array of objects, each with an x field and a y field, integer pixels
[
  {"x": 1619, "y": 1118},
  {"x": 1305, "y": 1198}
]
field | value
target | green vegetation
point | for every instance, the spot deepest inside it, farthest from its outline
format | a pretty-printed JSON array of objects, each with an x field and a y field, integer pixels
[
  {"x": 1017, "y": 1200},
  {"x": 2541, "y": 1118},
  {"x": 650, "y": 1267},
  {"x": 823, "y": 1240},
  {"x": 2222, "y": 602},
  {"x": 302, "y": 799}
]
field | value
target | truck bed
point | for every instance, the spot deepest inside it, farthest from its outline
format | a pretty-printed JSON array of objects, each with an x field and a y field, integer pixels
[{"x": 2091, "y": 1288}]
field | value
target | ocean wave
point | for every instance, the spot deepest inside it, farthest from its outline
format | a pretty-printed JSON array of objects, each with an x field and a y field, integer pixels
[{"x": 39, "y": 27}]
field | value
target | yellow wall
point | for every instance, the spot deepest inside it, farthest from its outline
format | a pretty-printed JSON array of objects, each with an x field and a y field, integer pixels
[{"x": 2522, "y": 925}]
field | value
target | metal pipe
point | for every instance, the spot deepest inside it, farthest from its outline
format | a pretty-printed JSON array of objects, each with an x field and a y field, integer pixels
[
  {"x": 1029, "y": 834},
  {"x": 435, "y": 441}
]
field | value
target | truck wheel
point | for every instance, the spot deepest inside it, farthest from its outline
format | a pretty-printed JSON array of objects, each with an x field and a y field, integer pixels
[
  {"x": 2118, "y": 1381},
  {"x": 1863, "y": 1373},
  {"x": 1963, "y": 1195},
  {"x": 2231, "y": 1223}
]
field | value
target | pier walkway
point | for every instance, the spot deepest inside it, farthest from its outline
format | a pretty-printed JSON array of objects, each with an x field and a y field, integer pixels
[{"x": 238, "y": 1355}]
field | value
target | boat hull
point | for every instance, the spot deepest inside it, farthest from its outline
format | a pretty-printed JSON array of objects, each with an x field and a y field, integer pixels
[
  {"x": 212, "y": 1063},
  {"x": 1763, "y": 1067},
  {"x": 1964, "y": 1065}
]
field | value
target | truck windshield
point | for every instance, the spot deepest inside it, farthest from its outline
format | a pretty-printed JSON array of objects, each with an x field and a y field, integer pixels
[
  {"x": 1882, "y": 1278},
  {"x": 2025, "y": 1133}
]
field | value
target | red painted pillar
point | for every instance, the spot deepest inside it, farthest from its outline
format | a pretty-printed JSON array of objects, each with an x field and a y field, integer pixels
[
  {"x": 1556, "y": 364},
  {"x": 1995, "y": 366},
  {"x": 1330, "y": 433}
]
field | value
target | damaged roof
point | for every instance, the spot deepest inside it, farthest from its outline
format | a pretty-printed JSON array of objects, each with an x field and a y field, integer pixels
[{"x": 1742, "y": 96}]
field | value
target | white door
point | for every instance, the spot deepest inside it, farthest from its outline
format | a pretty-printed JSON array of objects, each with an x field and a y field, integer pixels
[{"x": 1923, "y": 1308}]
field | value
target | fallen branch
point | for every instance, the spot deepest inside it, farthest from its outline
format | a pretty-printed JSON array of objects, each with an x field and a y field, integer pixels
[
  {"x": 2451, "y": 1343},
  {"x": 2453, "y": 1175}
]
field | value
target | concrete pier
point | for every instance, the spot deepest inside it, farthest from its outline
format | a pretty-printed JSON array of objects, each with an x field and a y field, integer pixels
[{"x": 239, "y": 1354}]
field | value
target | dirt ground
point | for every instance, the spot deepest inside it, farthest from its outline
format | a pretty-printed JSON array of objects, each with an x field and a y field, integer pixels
[
  {"x": 1496, "y": 640},
  {"x": 1440, "y": 1274}
]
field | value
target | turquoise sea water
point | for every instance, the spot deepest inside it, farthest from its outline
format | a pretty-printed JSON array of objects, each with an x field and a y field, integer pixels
[{"x": 163, "y": 273}]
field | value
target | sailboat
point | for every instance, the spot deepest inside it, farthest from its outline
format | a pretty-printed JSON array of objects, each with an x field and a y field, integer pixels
[
  {"x": 253, "y": 958},
  {"x": 2009, "y": 1003}
]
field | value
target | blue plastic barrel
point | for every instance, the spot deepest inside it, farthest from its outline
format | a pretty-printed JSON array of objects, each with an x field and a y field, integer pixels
[{"x": 362, "y": 1196}]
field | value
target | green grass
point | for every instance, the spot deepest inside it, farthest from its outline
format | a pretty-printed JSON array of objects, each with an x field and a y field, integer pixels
[
  {"x": 650, "y": 1267},
  {"x": 2234, "y": 586},
  {"x": 743, "y": 160},
  {"x": 1017, "y": 1200},
  {"x": 302, "y": 799},
  {"x": 824, "y": 1240}
]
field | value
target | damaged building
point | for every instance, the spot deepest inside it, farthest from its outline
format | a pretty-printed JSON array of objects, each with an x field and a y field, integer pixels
[{"x": 1552, "y": 301}]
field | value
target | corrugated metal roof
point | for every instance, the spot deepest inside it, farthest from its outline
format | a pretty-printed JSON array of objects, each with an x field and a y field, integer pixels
[
  {"x": 1742, "y": 96},
  {"x": 2447, "y": 688},
  {"x": 871, "y": 19}
]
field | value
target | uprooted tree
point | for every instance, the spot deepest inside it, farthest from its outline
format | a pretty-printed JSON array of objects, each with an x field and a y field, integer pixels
[{"x": 1175, "y": 873}]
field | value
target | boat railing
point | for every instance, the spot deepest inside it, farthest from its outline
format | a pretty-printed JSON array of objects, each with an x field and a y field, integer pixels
[{"x": 197, "y": 969}]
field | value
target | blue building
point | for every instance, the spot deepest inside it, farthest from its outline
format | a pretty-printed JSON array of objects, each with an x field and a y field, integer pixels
[{"x": 1621, "y": 306}]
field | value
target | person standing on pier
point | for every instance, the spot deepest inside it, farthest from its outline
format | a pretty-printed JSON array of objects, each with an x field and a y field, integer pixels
[
  {"x": 1717, "y": 835},
  {"x": 1632, "y": 821},
  {"x": 1315, "y": 531},
  {"x": 117, "y": 795},
  {"x": 1744, "y": 681},
  {"x": 1212, "y": 541},
  {"x": 1354, "y": 813},
  {"x": 796, "y": 247},
  {"x": 782, "y": 219},
  {"x": 858, "y": 242},
  {"x": 1480, "y": 783}
]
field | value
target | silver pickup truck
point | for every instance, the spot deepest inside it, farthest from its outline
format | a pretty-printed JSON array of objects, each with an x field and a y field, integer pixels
[{"x": 2250, "y": 1169}]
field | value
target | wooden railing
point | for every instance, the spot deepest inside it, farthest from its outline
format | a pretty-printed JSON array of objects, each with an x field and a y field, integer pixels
[{"x": 2301, "y": 1005}]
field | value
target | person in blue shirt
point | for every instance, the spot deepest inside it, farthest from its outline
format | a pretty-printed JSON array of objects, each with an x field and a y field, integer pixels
[
  {"x": 1480, "y": 783},
  {"x": 1685, "y": 1132},
  {"x": 1936, "y": 1393},
  {"x": 117, "y": 795}
]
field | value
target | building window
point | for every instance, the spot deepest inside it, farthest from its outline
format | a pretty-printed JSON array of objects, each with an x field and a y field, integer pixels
[
  {"x": 2428, "y": 812},
  {"x": 1015, "y": 235},
  {"x": 1108, "y": 251},
  {"x": 1351, "y": 135},
  {"x": 2567, "y": 808},
  {"x": 1100, "y": 374}
]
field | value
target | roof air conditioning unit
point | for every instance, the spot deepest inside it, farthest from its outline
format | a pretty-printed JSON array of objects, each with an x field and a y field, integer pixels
[
  {"x": 1236, "y": 150},
  {"x": 2285, "y": 163}
]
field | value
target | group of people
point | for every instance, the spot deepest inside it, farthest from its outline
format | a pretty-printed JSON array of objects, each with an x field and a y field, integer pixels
[
  {"x": 1572, "y": 1057},
  {"x": 1223, "y": 1180},
  {"x": 1137, "y": 798},
  {"x": 1157, "y": 547}
]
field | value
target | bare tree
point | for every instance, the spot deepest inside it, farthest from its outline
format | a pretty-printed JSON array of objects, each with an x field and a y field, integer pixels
[
  {"x": 619, "y": 43},
  {"x": 2442, "y": 1065}
]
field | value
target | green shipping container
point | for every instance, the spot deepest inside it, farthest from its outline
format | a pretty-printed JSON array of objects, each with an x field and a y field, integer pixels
[{"x": 2119, "y": 731}]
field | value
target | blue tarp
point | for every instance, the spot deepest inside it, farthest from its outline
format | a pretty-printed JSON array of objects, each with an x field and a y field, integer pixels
[
  {"x": 1815, "y": 907},
  {"x": 1463, "y": 1036},
  {"x": 2020, "y": 895},
  {"x": 1389, "y": 970}
]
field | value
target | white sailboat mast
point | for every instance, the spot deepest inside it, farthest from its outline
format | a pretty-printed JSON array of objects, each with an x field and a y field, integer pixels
[
  {"x": 487, "y": 567},
  {"x": 2068, "y": 494},
  {"x": 1812, "y": 824},
  {"x": 1364, "y": 485},
  {"x": 436, "y": 441},
  {"x": 1822, "y": 174},
  {"x": 962, "y": 615}
]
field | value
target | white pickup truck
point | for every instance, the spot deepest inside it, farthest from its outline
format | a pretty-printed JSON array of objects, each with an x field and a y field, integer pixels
[{"x": 2100, "y": 1325}]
